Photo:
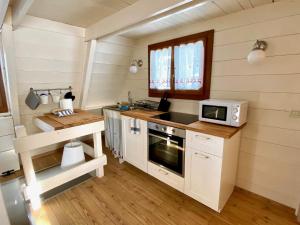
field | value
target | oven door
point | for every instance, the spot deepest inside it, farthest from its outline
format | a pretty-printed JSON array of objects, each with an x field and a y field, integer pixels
[{"x": 167, "y": 151}]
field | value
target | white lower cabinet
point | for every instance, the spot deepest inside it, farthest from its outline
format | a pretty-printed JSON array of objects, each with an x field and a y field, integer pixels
[
  {"x": 203, "y": 176},
  {"x": 135, "y": 146},
  {"x": 210, "y": 164},
  {"x": 166, "y": 176},
  {"x": 210, "y": 168},
  {"x": 9, "y": 159}
]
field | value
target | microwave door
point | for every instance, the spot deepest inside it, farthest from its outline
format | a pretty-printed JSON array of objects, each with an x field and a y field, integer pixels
[{"x": 212, "y": 112}]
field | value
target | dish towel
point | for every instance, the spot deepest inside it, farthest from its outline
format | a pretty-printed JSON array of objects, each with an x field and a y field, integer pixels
[{"x": 135, "y": 127}]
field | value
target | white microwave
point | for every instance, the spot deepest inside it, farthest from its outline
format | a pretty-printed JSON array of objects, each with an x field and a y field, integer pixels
[{"x": 226, "y": 112}]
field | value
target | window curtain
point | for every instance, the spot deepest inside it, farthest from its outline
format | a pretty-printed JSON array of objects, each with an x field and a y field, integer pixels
[
  {"x": 189, "y": 63},
  {"x": 160, "y": 69}
]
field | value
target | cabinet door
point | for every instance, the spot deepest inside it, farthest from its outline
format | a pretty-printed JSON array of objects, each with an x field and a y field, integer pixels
[
  {"x": 135, "y": 145},
  {"x": 203, "y": 177},
  {"x": 9, "y": 160}
]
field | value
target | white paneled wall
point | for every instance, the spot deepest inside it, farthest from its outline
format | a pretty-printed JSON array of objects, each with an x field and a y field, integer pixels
[
  {"x": 270, "y": 148},
  {"x": 48, "y": 55},
  {"x": 110, "y": 67}
]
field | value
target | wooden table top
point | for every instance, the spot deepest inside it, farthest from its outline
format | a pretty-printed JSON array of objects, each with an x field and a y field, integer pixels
[
  {"x": 80, "y": 117},
  {"x": 198, "y": 126}
]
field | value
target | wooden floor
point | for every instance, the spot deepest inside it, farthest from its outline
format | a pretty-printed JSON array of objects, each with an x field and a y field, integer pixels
[{"x": 126, "y": 195}]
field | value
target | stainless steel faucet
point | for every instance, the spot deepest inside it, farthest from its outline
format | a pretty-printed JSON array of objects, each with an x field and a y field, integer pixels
[{"x": 130, "y": 100}]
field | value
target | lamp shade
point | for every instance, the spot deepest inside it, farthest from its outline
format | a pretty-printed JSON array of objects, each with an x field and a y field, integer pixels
[
  {"x": 256, "y": 56},
  {"x": 133, "y": 69}
]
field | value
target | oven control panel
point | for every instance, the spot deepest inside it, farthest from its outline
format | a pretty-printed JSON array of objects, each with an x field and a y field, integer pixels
[{"x": 166, "y": 129}]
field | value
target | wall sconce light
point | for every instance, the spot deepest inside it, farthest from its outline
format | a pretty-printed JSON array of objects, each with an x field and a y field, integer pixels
[
  {"x": 134, "y": 65},
  {"x": 258, "y": 52}
]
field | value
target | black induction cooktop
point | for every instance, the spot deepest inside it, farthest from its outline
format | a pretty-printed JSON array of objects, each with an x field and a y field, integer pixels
[{"x": 176, "y": 117}]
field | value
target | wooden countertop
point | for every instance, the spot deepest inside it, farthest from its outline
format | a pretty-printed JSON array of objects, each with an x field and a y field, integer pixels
[
  {"x": 79, "y": 118},
  {"x": 202, "y": 127}
]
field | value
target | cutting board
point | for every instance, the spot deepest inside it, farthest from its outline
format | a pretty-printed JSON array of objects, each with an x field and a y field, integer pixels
[{"x": 80, "y": 117}]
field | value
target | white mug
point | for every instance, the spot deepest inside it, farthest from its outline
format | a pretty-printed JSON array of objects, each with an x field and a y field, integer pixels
[
  {"x": 66, "y": 104},
  {"x": 55, "y": 97},
  {"x": 44, "y": 99}
]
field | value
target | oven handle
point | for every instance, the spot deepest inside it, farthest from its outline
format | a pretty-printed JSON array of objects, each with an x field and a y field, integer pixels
[{"x": 166, "y": 139}]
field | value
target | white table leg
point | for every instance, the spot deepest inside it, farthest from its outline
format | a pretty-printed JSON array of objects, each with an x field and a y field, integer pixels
[
  {"x": 98, "y": 152},
  {"x": 32, "y": 188}
]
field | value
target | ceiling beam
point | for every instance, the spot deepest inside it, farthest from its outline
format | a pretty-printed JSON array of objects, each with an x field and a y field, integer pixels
[
  {"x": 177, "y": 10},
  {"x": 140, "y": 11},
  {"x": 3, "y": 9},
  {"x": 20, "y": 9},
  {"x": 88, "y": 68}
]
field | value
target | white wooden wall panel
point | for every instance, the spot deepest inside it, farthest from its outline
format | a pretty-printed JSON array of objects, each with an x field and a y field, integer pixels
[
  {"x": 279, "y": 136},
  {"x": 263, "y": 83},
  {"x": 245, "y": 4},
  {"x": 42, "y": 51},
  {"x": 264, "y": 100},
  {"x": 276, "y": 27},
  {"x": 275, "y": 48},
  {"x": 110, "y": 67},
  {"x": 270, "y": 149},
  {"x": 228, "y": 6},
  {"x": 210, "y": 10},
  {"x": 51, "y": 26},
  {"x": 48, "y": 55}
]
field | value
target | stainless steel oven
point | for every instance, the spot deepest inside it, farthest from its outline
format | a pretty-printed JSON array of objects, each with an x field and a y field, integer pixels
[{"x": 166, "y": 147}]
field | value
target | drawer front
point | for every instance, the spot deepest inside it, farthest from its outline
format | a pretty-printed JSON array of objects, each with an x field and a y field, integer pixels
[
  {"x": 7, "y": 126},
  {"x": 166, "y": 176},
  {"x": 6, "y": 143},
  {"x": 9, "y": 161},
  {"x": 204, "y": 142}
]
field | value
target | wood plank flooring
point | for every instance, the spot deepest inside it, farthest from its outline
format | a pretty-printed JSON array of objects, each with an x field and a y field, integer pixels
[
  {"x": 126, "y": 195},
  {"x": 40, "y": 162}
]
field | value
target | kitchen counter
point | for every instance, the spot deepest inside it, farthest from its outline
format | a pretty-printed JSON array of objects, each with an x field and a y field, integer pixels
[
  {"x": 202, "y": 127},
  {"x": 80, "y": 117}
]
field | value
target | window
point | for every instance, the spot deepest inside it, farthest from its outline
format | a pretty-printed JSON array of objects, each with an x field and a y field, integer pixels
[{"x": 181, "y": 67}]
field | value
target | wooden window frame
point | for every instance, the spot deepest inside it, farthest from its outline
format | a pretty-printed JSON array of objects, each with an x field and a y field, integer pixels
[
  {"x": 208, "y": 39},
  {"x": 3, "y": 101}
]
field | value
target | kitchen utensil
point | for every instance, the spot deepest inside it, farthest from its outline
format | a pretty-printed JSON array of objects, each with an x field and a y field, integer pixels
[
  {"x": 32, "y": 100},
  {"x": 44, "y": 98},
  {"x": 66, "y": 104},
  {"x": 164, "y": 104},
  {"x": 55, "y": 97},
  {"x": 69, "y": 95}
]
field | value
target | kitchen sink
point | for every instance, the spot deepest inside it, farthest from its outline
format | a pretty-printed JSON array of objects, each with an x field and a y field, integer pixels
[{"x": 120, "y": 108}]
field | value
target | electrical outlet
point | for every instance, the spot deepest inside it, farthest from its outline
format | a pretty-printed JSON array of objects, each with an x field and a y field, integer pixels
[{"x": 295, "y": 114}]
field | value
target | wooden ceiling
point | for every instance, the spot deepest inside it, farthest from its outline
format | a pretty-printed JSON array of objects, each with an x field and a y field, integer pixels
[
  {"x": 80, "y": 13},
  {"x": 205, "y": 11}
]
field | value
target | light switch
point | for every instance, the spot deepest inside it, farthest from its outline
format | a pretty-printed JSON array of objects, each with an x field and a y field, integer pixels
[{"x": 295, "y": 114}]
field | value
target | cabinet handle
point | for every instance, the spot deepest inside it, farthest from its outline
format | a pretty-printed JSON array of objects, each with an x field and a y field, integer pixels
[
  {"x": 163, "y": 172},
  {"x": 201, "y": 155},
  {"x": 201, "y": 137}
]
